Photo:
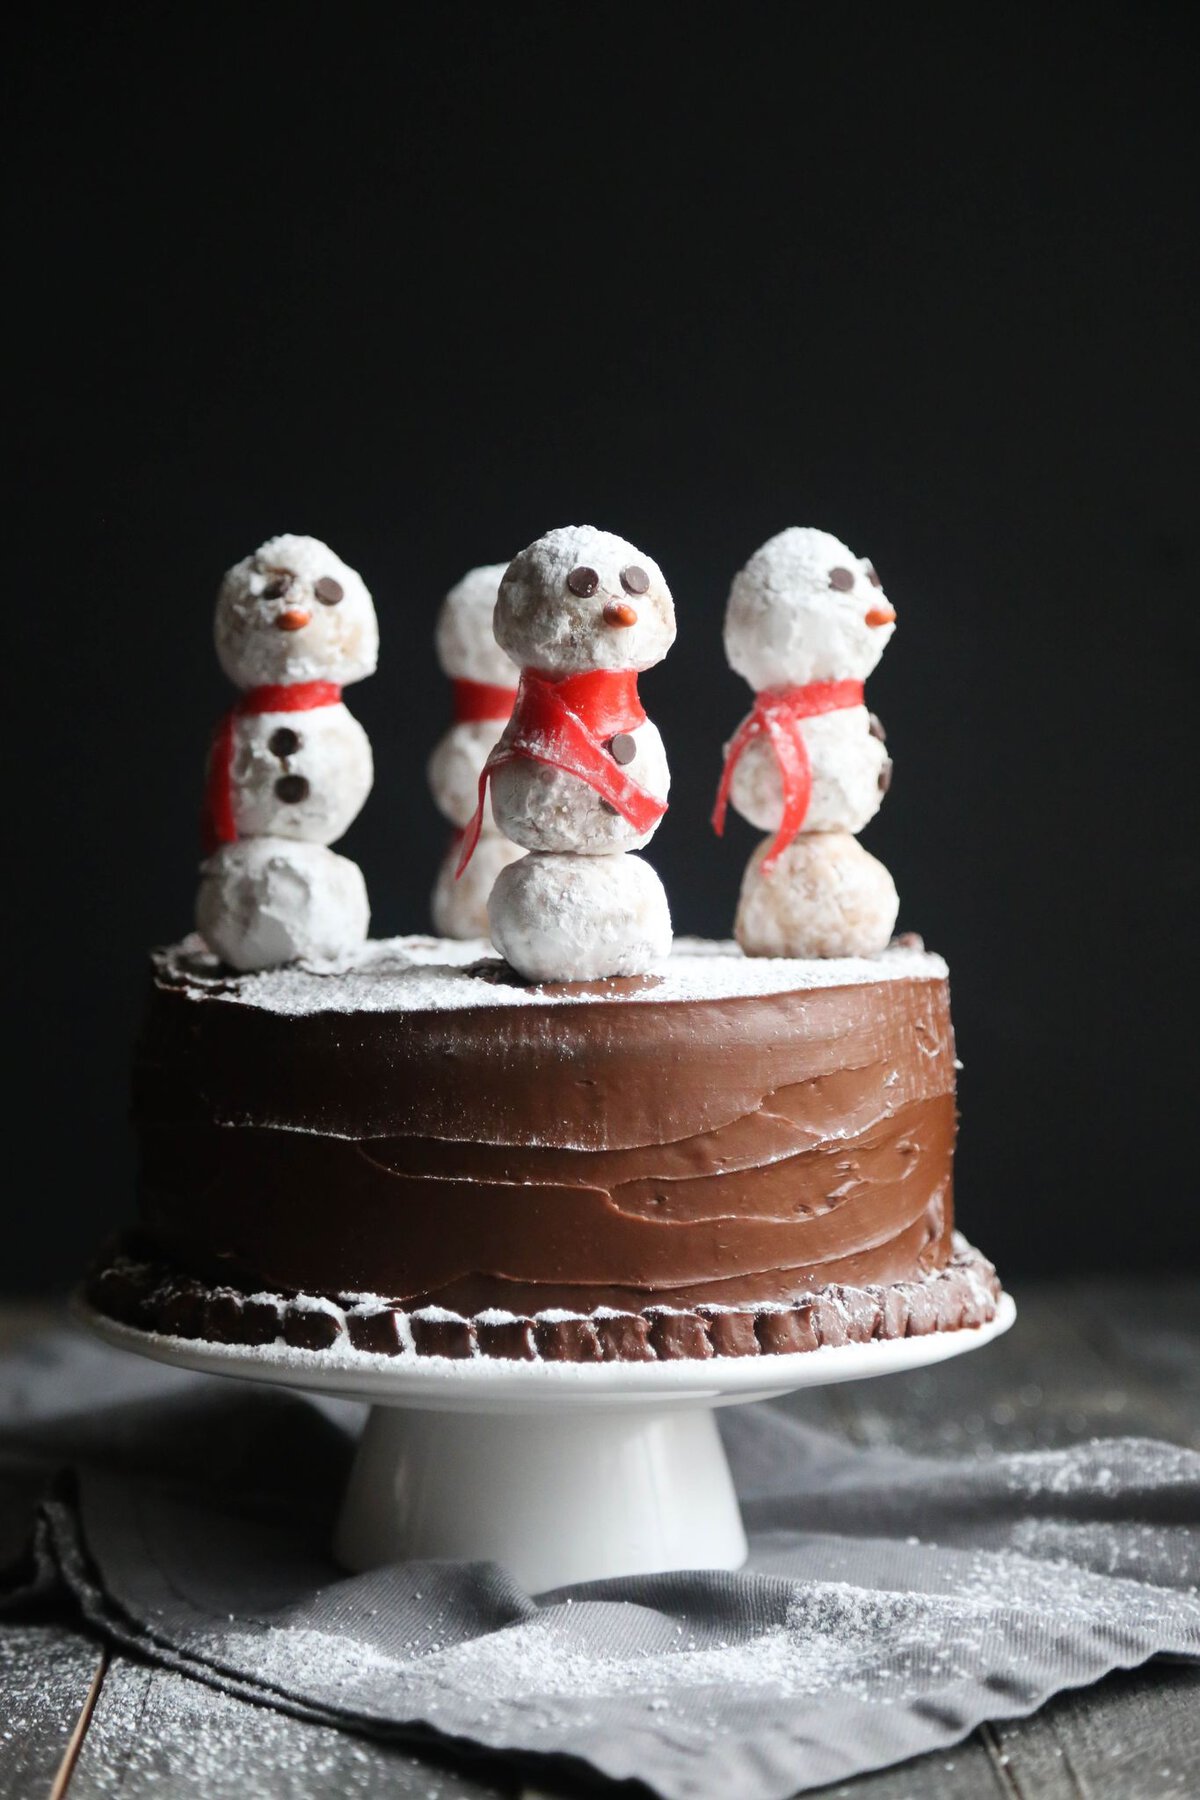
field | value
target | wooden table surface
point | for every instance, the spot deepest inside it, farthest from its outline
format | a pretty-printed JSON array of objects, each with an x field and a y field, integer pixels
[{"x": 1086, "y": 1358}]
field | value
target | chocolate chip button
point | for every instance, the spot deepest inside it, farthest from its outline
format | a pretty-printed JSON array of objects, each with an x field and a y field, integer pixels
[
  {"x": 583, "y": 582},
  {"x": 841, "y": 579},
  {"x": 328, "y": 591},
  {"x": 284, "y": 742},
  {"x": 291, "y": 789},
  {"x": 875, "y": 727},
  {"x": 623, "y": 749},
  {"x": 278, "y": 585},
  {"x": 885, "y": 776},
  {"x": 634, "y": 579}
]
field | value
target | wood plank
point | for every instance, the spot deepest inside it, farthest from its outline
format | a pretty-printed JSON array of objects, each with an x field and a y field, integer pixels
[
  {"x": 1150, "y": 1331},
  {"x": 1133, "y": 1735},
  {"x": 965, "y": 1772},
  {"x": 155, "y": 1732},
  {"x": 46, "y": 1676}
]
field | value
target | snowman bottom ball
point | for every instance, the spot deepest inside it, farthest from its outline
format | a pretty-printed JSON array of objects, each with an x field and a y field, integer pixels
[
  {"x": 267, "y": 901},
  {"x": 826, "y": 896},
  {"x": 459, "y": 907},
  {"x": 580, "y": 918}
]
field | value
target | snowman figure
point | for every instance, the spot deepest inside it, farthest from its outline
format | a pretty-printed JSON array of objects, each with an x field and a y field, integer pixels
[
  {"x": 806, "y": 623},
  {"x": 579, "y": 777},
  {"x": 289, "y": 767},
  {"x": 484, "y": 685}
]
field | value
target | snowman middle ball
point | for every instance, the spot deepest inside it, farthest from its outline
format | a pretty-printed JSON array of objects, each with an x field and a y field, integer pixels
[
  {"x": 299, "y": 774},
  {"x": 850, "y": 769},
  {"x": 543, "y": 808},
  {"x": 454, "y": 766},
  {"x": 469, "y": 654}
]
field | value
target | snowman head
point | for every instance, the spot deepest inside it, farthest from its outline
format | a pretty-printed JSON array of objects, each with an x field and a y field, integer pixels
[
  {"x": 581, "y": 599},
  {"x": 295, "y": 612},
  {"x": 805, "y": 608},
  {"x": 465, "y": 642}
]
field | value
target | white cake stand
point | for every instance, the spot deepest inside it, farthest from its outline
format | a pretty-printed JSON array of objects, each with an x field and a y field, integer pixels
[{"x": 563, "y": 1472}]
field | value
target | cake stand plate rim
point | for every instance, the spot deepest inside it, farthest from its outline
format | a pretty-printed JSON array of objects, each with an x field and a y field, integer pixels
[{"x": 484, "y": 1384}]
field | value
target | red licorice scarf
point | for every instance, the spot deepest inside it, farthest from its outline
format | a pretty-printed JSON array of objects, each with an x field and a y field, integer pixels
[
  {"x": 476, "y": 700},
  {"x": 567, "y": 725},
  {"x": 776, "y": 715},
  {"x": 217, "y": 826}
]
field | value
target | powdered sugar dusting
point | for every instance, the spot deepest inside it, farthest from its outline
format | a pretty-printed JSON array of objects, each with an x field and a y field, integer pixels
[
  {"x": 157, "y": 1731},
  {"x": 1100, "y": 1467},
  {"x": 575, "y": 1663},
  {"x": 422, "y": 974}
]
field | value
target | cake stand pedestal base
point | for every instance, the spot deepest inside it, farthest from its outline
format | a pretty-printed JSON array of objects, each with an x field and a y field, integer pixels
[
  {"x": 563, "y": 1472},
  {"x": 556, "y": 1496}
]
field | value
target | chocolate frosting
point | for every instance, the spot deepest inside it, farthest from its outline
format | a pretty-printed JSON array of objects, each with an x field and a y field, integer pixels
[{"x": 730, "y": 1151}]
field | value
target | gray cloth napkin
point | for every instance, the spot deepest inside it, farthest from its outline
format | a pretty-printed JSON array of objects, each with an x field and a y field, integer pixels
[{"x": 891, "y": 1603}]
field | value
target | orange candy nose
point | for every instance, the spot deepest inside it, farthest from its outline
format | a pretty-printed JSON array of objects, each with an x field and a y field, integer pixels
[
  {"x": 619, "y": 612},
  {"x": 881, "y": 615},
  {"x": 294, "y": 619}
]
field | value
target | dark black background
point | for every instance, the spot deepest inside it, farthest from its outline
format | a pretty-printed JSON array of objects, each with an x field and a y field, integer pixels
[{"x": 425, "y": 284}]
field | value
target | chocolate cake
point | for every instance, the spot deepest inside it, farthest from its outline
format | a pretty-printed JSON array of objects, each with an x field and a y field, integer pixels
[{"x": 413, "y": 1151}]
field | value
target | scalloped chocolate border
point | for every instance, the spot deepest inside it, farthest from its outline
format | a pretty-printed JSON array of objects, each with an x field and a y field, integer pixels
[{"x": 156, "y": 1298}]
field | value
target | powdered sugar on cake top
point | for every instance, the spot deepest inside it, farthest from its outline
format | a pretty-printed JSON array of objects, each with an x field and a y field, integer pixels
[{"x": 422, "y": 974}]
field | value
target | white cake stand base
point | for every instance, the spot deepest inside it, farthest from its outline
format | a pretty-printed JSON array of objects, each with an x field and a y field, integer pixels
[
  {"x": 558, "y": 1497},
  {"x": 563, "y": 1472}
]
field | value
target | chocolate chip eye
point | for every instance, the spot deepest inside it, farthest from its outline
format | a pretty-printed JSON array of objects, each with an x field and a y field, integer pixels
[
  {"x": 872, "y": 577},
  {"x": 328, "y": 591},
  {"x": 634, "y": 579},
  {"x": 279, "y": 584},
  {"x": 841, "y": 579},
  {"x": 583, "y": 582}
]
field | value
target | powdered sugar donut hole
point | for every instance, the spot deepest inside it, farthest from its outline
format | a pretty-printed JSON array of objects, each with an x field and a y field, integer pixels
[
  {"x": 267, "y": 901},
  {"x": 463, "y": 637},
  {"x": 805, "y": 608},
  {"x": 545, "y": 809},
  {"x": 826, "y": 896},
  {"x": 459, "y": 907},
  {"x": 299, "y": 774},
  {"x": 292, "y": 612},
  {"x": 581, "y": 599},
  {"x": 455, "y": 767},
  {"x": 580, "y": 918},
  {"x": 848, "y": 781}
]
